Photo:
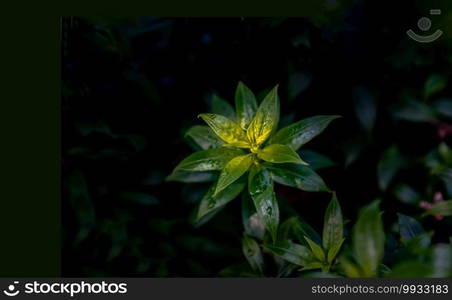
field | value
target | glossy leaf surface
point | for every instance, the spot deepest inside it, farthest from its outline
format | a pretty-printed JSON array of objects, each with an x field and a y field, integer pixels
[
  {"x": 210, "y": 204},
  {"x": 298, "y": 176},
  {"x": 253, "y": 253},
  {"x": 226, "y": 129},
  {"x": 260, "y": 187},
  {"x": 208, "y": 160},
  {"x": 204, "y": 137},
  {"x": 265, "y": 120},
  {"x": 245, "y": 104},
  {"x": 233, "y": 170},
  {"x": 294, "y": 253},
  {"x": 276, "y": 153},
  {"x": 298, "y": 134},
  {"x": 333, "y": 224},
  {"x": 369, "y": 239}
]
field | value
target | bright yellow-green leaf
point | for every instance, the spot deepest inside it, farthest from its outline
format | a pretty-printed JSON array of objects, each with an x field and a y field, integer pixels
[
  {"x": 316, "y": 250},
  {"x": 350, "y": 269},
  {"x": 334, "y": 250},
  {"x": 246, "y": 105},
  {"x": 233, "y": 170},
  {"x": 226, "y": 129},
  {"x": 265, "y": 120},
  {"x": 276, "y": 153},
  {"x": 312, "y": 266}
]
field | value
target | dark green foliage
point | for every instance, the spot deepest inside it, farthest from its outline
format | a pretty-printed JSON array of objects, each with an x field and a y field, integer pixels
[{"x": 131, "y": 91}]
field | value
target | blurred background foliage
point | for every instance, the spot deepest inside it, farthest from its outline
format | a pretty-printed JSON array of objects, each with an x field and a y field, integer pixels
[{"x": 131, "y": 87}]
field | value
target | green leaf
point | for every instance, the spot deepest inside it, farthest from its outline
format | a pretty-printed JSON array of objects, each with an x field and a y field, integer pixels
[
  {"x": 191, "y": 177},
  {"x": 300, "y": 133},
  {"x": 298, "y": 176},
  {"x": 349, "y": 268},
  {"x": 384, "y": 270},
  {"x": 312, "y": 266},
  {"x": 227, "y": 130},
  {"x": 442, "y": 261},
  {"x": 445, "y": 152},
  {"x": 204, "y": 137},
  {"x": 316, "y": 160},
  {"x": 245, "y": 104},
  {"x": 334, "y": 250},
  {"x": 211, "y": 204},
  {"x": 253, "y": 253},
  {"x": 260, "y": 187},
  {"x": 443, "y": 106},
  {"x": 298, "y": 229},
  {"x": 316, "y": 250},
  {"x": 294, "y": 253},
  {"x": 353, "y": 147},
  {"x": 285, "y": 268},
  {"x": 265, "y": 120},
  {"x": 390, "y": 163},
  {"x": 443, "y": 208},
  {"x": 233, "y": 170},
  {"x": 406, "y": 194},
  {"x": 221, "y": 107},
  {"x": 365, "y": 107},
  {"x": 414, "y": 111},
  {"x": 409, "y": 228},
  {"x": 434, "y": 84},
  {"x": 277, "y": 153},
  {"x": 208, "y": 160},
  {"x": 251, "y": 221},
  {"x": 333, "y": 224},
  {"x": 368, "y": 239},
  {"x": 410, "y": 269},
  {"x": 416, "y": 246}
]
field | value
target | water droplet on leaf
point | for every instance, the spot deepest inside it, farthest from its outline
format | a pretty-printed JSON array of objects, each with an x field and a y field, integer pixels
[{"x": 269, "y": 210}]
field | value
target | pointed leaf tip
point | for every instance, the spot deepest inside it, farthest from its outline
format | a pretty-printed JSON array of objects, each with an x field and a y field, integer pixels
[
  {"x": 333, "y": 224},
  {"x": 265, "y": 120},
  {"x": 246, "y": 105},
  {"x": 303, "y": 131}
]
